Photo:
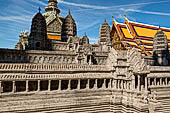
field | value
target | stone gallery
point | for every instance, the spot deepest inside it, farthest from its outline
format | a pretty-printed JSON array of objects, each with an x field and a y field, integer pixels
[{"x": 53, "y": 70}]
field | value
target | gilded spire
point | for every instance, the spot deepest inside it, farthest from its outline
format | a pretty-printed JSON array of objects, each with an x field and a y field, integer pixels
[
  {"x": 125, "y": 13},
  {"x": 112, "y": 15},
  {"x": 159, "y": 27}
]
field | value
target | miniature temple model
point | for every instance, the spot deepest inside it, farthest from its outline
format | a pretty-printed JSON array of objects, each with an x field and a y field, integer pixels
[{"x": 52, "y": 69}]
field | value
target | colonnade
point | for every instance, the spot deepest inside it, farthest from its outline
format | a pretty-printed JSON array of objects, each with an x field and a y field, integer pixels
[
  {"x": 161, "y": 81},
  {"x": 49, "y": 85},
  {"x": 141, "y": 83},
  {"x": 122, "y": 84}
]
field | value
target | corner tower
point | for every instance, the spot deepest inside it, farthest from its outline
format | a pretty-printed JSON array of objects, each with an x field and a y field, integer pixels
[
  {"x": 160, "y": 49},
  {"x": 38, "y": 36},
  {"x": 69, "y": 28},
  {"x": 85, "y": 40},
  {"x": 104, "y": 34}
]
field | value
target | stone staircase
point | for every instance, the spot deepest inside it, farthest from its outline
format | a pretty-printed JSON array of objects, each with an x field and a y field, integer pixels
[
  {"x": 162, "y": 99},
  {"x": 95, "y": 101},
  {"x": 164, "y": 106}
]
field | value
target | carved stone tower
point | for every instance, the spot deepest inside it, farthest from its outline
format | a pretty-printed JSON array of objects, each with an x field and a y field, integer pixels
[
  {"x": 23, "y": 41},
  {"x": 53, "y": 20},
  {"x": 85, "y": 40},
  {"x": 69, "y": 28},
  {"x": 52, "y": 7},
  {"x": 104, "y": 35},
  {"x": 38, "y": 36},
  {"x": 160, "y": 49}
]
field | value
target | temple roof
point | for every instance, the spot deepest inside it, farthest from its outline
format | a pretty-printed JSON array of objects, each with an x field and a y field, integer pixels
[{"x": 139, "y": 35}]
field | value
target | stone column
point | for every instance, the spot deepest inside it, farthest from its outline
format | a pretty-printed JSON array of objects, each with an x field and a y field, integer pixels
[
  {"x": 155, "y": 81},
  {"x": 118, "y": 84},
  {"x": 95, "y": 85},
  {"x": 146, "y": 83},
  {"x": 38, "y": 89},
  {"x": 149, "y": 81},
  {"x": 49, "y": 85},
  {"x": 104, "y": 84},
  {"x": 90, "y": 61},
  {"x": 161, "y": 81},
  {"x": 27, "y": 87},
  {"x": 125, "y": 85},
  {"x": 133, "y": 82},
  {"x": 122, "y": 84},
  {"x": 13, "y": 87},
  {"x": 87, "y": 85},
  {"x": 69, "y": 84},
  {"x": 0, "y": 87},
  {"x": 139, "y": 83},
  {"x": 59, "y": 85},
  {"x": 166, "y": 81},
  {"x": 110, "y": 84},
  {"x": 78, "y": 85},
  {"x": 115, "y": 84}
]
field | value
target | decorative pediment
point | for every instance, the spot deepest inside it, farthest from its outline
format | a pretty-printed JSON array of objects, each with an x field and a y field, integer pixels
[
  {"x": 54, "y": 26},
  {"x": 137, "y": 62}
]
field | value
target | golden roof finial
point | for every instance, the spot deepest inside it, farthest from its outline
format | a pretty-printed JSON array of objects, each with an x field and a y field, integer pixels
[
  {"x": 104, "y": 19},
  {"x": 112, "y": 15},
  {"x": 124, "y": 13},
  {"x": 159, "y": 27}
]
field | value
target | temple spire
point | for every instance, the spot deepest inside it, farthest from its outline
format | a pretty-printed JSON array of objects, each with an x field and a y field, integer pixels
[
  {"x": 112, "y": 15},
  {"x": 52, "y": 7},
  {"x": 105, "y": 20},
  {"x": 69, "y": 12},
  {"x": 39, "y": 9},
  {"x": 125, "y": 13},
  {"x": 85, "y": 34},
  {"x": 159, "y": 27}
]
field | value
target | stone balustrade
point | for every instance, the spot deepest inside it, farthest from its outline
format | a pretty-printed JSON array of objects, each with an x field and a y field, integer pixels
[
  {"x": 159, "y": 81},
  {"x": 52, "y": 67},
  {"x": 159, "y": 69}
]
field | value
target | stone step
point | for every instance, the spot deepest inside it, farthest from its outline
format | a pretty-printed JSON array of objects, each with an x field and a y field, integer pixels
[
  {"x": 101, "y": 108},
  {"x": 19, "y": 105},
  {"x": 90, "y": 108}
]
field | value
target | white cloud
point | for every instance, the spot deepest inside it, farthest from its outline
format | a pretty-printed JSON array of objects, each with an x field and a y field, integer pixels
[
  {"x": 108, "y": 7},
  {"x": 82, "y": 5},
  {"x": 87, "y": 26},
  {"x": 40, "y": 2},
  {"x": 147, "y": 12},
  {"x": 13, "y": 40},
  {"x": 15, "y": 18},
  {"x": 138, "y": 4}
]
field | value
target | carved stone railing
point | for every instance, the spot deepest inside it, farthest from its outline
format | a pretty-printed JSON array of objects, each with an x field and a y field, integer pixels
[
  {"x": 160, "y": 69},
  {"x": 23, "y": 76},
  {"x": 51, "y": 67}
]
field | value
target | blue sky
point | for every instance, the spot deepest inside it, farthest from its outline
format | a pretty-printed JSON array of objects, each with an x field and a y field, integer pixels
[{"x": 16, "y": 15}]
